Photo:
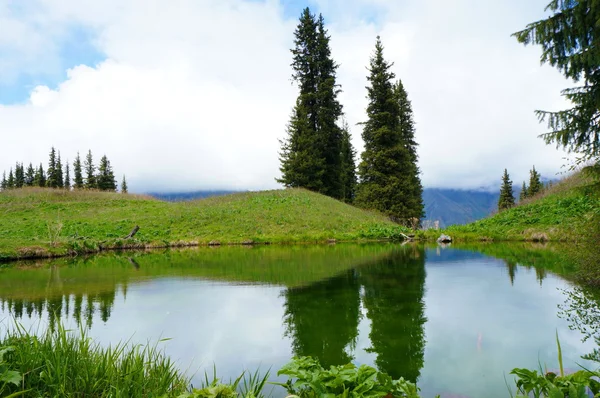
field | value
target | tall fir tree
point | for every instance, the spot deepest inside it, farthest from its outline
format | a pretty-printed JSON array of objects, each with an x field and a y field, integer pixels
[
  {"x": 106, "y": 179},
  {"x": 52, "y": 180},
  {"x": 311, "y": 154},
  {"x": 124, "y": 188},
  {"x": 90, "y": 177},
  {"x": 348, "y": 166},
  {"x": 60, "y": 182},
  {"x": 385, "y": 171},
  {"x": 19, "y": 175},
  {"x": 29, "y": 175},
  {"x": 523, "y": 193},
  {"x": 67, "y": 182},
  {"x": 507, "y": 197},
  {"x": 40, "y": 177},
  {"x": 11, "y": 179},
  {"x": 569, "y": 39},
  {"x": 4, "y": 182},
  {"x": 535, "y": 183},
  {"x": 77, "y": 173}
]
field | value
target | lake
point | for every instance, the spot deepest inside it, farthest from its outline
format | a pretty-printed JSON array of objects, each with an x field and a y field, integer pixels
[{"x": 455, "y": 320}]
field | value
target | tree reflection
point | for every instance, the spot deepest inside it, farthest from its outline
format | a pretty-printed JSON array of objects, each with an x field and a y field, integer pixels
[
  {"x": 322, "y": 319},
  {"x": 393, "y": 296},
  {"x": 582, "y": 311}
]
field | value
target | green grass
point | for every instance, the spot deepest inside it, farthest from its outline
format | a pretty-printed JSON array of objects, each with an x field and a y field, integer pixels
[
  {"x": 562, "y": 213},
  {"x": 46, "y": 222}
]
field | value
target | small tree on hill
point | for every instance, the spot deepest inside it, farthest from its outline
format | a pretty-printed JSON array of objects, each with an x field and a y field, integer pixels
[
  {"x": 19, "y": 175},
  {"x": 67, "y": 182},
  {"x": 507, "y": 198},
  {"x": 52, "y": 180},
  {"x": 60, "y": 182},
  {"x": 523, "y": 193},
  {"x": 11, "y": 179},
  {"x": 4, "y": 182},
  {"x": 124, "y": 185},
  {"x": 535, "y": 183},
  {"x": 40, "y": 177},
  {"x": 78, "y": 174},
  {"x": 106, "y": 178},
  {"x": 29, "y": 176},
  {"x": 90, "y": 178}
]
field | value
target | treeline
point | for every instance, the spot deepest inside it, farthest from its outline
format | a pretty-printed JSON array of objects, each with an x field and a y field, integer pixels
[
  {"x": 317, "y": 153},
  {"x": 507, "y": 197},
  {"x": 85, "y": 175}
]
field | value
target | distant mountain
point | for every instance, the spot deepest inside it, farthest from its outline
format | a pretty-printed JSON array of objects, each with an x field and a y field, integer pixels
[
  {"x": 182, "y": 196},
  {"x": 452, "y": 206}
]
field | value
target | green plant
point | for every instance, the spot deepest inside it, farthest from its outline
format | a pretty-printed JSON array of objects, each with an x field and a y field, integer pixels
[
  {"x": 7, "y": 376},
  {"x": 247, "y": 386},
  {"x": 312, "y": 380}
]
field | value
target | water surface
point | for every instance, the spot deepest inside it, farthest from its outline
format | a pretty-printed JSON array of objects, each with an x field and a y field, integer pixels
[{"x": 454, "y": 320}]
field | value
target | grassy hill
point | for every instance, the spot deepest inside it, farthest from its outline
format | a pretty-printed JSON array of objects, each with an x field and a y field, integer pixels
[{"x": 43, "y": 222}]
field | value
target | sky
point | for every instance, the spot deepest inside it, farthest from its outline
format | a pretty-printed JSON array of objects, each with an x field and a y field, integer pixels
[{"x": 186, "y": 95}]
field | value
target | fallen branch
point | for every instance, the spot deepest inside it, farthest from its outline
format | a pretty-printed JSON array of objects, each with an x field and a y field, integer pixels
[{"x": 133, "y": 232}]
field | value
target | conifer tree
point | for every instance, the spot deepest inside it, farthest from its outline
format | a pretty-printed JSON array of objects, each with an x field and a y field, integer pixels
[
  {"x": 11, "y": 179},
  {"x": 19, "y": 175},
  {"x": 78, "y": 174},
  {"x": 507, "y": 198},
  {"x": 124, "y": 185},
  {"x": 385, "y": 183},
  {"x": 523, "y": 193},
  {"x": 311, "y": 154},
  {"x": 60, "y": 182},
  {"x": 535, "y": 183},
  {"x": 67, "y": 182},
  {"x": 348, "y": 166},
  {"x": 106, "y": 178},
  {"x": 29, "y": 176},
  {"x": 40, "y": 177},
  {"x": 569, "y": 40},
  {"x": 90, "y": 178},
  {"x": 4, "y": 182},
  {"x": 52, "y": 181}
]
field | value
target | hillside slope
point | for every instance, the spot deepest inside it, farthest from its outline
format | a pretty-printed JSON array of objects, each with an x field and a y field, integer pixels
[{"x": 41, "y": 222}]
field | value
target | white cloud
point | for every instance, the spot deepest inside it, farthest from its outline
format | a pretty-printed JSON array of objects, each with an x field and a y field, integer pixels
[{"x": 161, "y": 104}]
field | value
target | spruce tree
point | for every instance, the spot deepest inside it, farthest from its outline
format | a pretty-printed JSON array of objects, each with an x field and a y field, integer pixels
[
  {"x": 348, "y": 166},
  {"x": 523, "y": 193},
  {"x": 569, "y": 40},
  {"x": 60, "y": 182},
  {"x": 4, "y": 182},
  {"x": 29, "y": 176},
  {"x": 311, "y": 154},
  {"x": 385, "y": 183},
  {"x": 67, "y": 182},
  {"x": 535, "y": 183},
  {"x": 106, "y": 178},
  {"x": 124, "y": 185},
  {"x": 78, "y": 174},
  {"x": 40, "y": 177},
  {"x": 11, "y": 179},
  {"x": 507, "y": 198},
  {"x": 52, "y": 181},
  {"x": 90, "y": 177},
  {"x": 19, "y": 175}
]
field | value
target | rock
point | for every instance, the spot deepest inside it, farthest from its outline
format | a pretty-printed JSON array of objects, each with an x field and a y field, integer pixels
[
  {"x": 444, "y": 239},
  {"x": 214, "y": 243}
]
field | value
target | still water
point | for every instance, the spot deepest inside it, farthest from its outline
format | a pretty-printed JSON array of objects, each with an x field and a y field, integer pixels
[{"x": 455, "y": 320}]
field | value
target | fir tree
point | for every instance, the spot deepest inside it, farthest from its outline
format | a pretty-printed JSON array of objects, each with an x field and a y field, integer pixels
[
  {"x": 4, "y": 182},
  {"x": 40, "y": 177},
  {"x": 60, "y": 182},
  {"x": 523, "y": 193},
  {"x": 535, "y": 183},
  {"x": 19, "y": 175},
  {"x": 78, "y": 175},
  {"x": 90, "y": 178},
  {"x": 67, "y": 182},
  {"x": 348, "y": 166},
  {"x": 507, "y": 198},
  {"x": 124, "y": 185},
  {"x": 11, "y": 180},
  {"x": 29, "y": 176},
  {"x": 385, "y": 180},
  {"x": 52, "y": 181},
  {"x": 106, "y": 178},
  {"x": 311, "y": 155},
  {"x": 569, "y": 39}
]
